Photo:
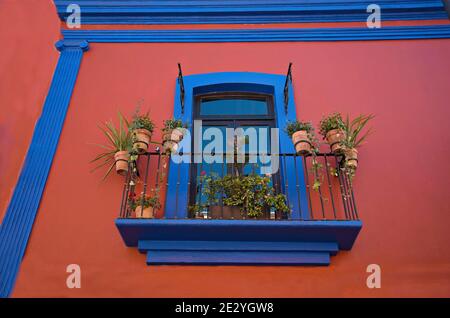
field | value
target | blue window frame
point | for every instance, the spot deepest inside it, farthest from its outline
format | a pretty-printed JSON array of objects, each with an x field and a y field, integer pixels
[
  {"x": 231, "y": 106},
  {"x": 232, "y": 110},
  {"x": 177, "y": 199}
]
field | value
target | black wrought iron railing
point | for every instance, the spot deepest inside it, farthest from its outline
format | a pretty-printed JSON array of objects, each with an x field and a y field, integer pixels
[{"x": 315, "y": 187}]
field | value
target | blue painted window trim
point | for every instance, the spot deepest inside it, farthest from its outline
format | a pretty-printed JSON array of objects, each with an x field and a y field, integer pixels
[
  {"x": 177, "y": 194},
  {"x": 246, "y": 11}
]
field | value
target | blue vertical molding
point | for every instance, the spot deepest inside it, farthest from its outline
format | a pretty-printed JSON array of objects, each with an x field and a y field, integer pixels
[{"x": 21, "y": 212}]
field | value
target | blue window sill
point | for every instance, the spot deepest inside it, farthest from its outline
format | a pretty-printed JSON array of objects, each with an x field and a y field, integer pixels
[{"x": 238, "y": 242}]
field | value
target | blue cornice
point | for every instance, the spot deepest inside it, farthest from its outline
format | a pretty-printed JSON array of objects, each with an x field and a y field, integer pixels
[
  {"x": 260, "y": 35},
  {"x": 246, "y": 11}
]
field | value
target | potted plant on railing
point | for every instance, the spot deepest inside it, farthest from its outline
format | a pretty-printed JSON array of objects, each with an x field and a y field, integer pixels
[
  {"x": 332, "y": 131},
  {"x": 146, "y": 205},
  {"x": 142, "y": 128},
  {"x": 173, "y": 133},
  {"x": 353, "y": 140},
  {"x": 302, "y": 136},
  {"x": 117, "y": 150}
]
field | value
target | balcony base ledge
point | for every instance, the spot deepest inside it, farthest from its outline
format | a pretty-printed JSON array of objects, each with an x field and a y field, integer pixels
[{"x": 238, "y": 242}]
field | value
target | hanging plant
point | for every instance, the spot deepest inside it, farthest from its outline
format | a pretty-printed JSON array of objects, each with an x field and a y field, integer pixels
[
  {"x": 173, "y": 133},
  {"x": 302, "y": 136},
  {"x": 332, "y": 131},
  {"x": 354, "y": 138},
  {"x": 142, "y": 128}
]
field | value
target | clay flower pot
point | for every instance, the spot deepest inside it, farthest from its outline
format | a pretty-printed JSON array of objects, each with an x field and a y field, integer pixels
[
  {"x": 147, "y": 213},
  {"x": 121, "y": 158},
  {"x": 301, "y": 142},
  {"x": 351, "y": 158},
  {"x": 142, "y": 140},
  {"x": 225, "y": 212},
  {"x": 334, "y": 138},
  {"x": 171, "y": 138}
]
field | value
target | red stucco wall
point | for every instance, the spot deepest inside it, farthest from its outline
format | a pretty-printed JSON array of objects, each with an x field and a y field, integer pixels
[
  {"x": 400, "y": 189},
  {"x": 28, "y": 31},
  {"x": 401, "y": 186}
]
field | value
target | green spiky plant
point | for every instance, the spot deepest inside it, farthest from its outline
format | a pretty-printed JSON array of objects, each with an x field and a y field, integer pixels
[
  {"x": 352, "y": 130},
  {"x": 354, "y": 137},
  {"x": 118, "y": 139}
]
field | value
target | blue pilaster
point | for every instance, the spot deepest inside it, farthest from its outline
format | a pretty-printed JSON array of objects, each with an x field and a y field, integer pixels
[{"x": 21, "y": 212}]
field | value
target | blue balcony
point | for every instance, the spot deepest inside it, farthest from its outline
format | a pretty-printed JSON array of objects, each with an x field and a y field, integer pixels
[{"x": 324, "y": 224}]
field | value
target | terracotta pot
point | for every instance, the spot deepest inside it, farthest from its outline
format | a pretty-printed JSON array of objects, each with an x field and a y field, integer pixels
[
  {"x": 121, "y": 158},
  {"x": 175, "y": 135},
  {"x": 234, "y": 213},
  {"x": 351, "y": 158},
  {"x": 228, "y": 212},
  {"x": 142, "y": 140},
  {"x": 171, "y": 138},
  {"x": 147, "y": 213},
  {"x": 264, "y": 216},
  {"x": 334, "y": 138},
  {"x": 301, "y": 142},
  {"x": 170, "y": 146}
]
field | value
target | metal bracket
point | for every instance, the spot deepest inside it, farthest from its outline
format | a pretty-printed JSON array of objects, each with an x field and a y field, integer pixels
[
  {"x": 181, "y": 84},
  {"x": 286, "y": 88}
]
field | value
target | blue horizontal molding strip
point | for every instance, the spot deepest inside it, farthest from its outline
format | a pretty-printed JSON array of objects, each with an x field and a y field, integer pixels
[
  {"x": 21, "y": 212},
  {"x": 240, "y": 258},
  {"x": 260, "y": 35},
  {"x": 246, "y": 11}
]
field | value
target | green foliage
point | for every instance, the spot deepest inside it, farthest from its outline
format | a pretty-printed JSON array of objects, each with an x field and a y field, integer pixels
[
  {"x": 147, "y": 200},
  {"x": 352, "y": 130},
  {"x": 334, "y": 121},
  {"x": 211, "y": 187},
  {"x": 316, "y": 169},
  {"x": 354, "y": 138},
  {"x": 294, "y": 126},
  {"x": 195, "y": 208},
  {"x": 252, "y": 193},
  {"x": 118, "y": 139},
  {"x": 142, "y": 122},
  {"x": 171, "y": 124}
]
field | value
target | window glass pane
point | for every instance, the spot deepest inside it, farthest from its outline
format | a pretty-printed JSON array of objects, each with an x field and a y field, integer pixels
[{"x": 233, "y": 106}]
